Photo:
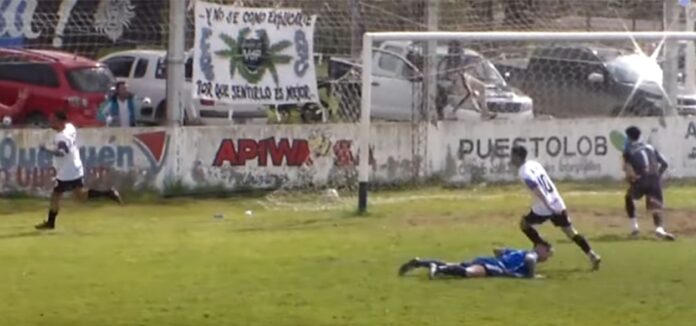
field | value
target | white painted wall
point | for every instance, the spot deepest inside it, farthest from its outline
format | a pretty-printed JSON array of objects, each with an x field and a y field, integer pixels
[{"x": 296, "y": 156}]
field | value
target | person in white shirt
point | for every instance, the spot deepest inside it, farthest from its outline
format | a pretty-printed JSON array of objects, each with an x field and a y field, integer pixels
[
  {"x": 69, "y": 170},
  {"x": 548, "y": 204},
  {"x": 119, "y": 109}
]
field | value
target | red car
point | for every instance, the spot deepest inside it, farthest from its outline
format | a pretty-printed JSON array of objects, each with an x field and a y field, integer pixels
[{"x": 55, "y": 81}]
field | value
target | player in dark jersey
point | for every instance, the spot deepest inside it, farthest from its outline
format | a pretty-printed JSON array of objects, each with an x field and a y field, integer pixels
[
  {"x": 506, "y": 263},
  {"x": 644, "y": 167}
]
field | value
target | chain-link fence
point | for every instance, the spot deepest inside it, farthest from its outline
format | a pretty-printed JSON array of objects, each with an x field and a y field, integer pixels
[{"x": 96, "y": 28}]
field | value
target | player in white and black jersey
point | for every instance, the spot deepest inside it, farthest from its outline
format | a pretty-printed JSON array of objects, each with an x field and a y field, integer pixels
[
  {"x": 548, "y": 204},
  {"x": 69, "y": 170}
]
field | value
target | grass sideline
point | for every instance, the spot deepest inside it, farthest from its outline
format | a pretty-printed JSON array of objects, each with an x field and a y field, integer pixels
[{"x": 169, "y": 262}]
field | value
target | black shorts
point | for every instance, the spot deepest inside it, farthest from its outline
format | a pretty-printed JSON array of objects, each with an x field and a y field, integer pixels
[
  {"x": 558, "y": 220},
  {"x": 649, "y": 187},
  {"x": 67, "y": 186}
]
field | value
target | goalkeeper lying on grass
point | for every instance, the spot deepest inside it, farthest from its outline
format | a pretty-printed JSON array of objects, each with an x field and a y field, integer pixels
[{"x": 506, "y": 263}]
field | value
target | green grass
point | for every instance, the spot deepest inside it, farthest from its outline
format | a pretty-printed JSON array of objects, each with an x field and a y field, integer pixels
[{"x": 170, "y": 262}]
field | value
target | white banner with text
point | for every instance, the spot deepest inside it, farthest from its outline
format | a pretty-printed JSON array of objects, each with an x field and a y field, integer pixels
[{"x": 253, "y": 55}]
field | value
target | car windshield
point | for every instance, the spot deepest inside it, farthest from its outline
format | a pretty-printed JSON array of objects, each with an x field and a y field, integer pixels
[
  {"x": 477, "y": 67},
  {"x": 630, "y": 69},
  {"x": 91, "y": 80},
  {"x": 486, "y": 72}
]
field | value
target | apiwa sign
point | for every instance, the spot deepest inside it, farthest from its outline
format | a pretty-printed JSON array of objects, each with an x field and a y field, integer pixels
[{"x": 253, "y": 56}]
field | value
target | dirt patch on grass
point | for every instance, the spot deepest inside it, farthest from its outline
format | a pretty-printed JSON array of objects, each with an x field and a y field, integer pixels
[
  {"x": 679, "y": 221},
  {"x": 609, "y": 222}
]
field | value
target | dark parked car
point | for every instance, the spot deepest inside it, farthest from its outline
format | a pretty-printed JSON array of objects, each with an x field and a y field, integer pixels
[{"x": 580, "y": 80}]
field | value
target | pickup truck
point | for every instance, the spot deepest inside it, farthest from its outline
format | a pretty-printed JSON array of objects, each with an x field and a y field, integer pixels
[
  {"x": 582, "y": 80},
  {"x": 145, "y": 71},
  {"x": 470, "y": 89}
]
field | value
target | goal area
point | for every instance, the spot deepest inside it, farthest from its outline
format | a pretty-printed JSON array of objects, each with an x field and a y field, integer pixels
[{"x": 431, "y": 78}]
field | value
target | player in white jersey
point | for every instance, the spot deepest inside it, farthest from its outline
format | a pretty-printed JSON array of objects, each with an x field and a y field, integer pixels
[
  {"x": 69, "y": 170},
  {"x": 548, "y": 204}
]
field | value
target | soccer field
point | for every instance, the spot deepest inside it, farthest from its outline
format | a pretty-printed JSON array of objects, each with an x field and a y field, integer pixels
[{"x": 170, "y": 262}]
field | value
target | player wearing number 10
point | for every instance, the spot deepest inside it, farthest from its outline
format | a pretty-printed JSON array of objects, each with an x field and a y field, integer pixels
[{"x": 548, "y": 204}]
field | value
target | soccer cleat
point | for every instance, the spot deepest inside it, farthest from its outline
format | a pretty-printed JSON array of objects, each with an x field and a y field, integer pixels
[
  {"x": 408, "y": 266},
  {"x": 635, "y": 233},
  {"x": 433, "y": 271},
  {"x": 595, "y": 259},
  {"x": 665, "y": 235},
  {"x": 115, "y": 196},
  {"x": 44, "y": 226}
]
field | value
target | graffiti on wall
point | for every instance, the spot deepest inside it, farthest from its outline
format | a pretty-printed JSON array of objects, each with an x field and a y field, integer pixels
[
  {"x": 65, "y": 24},
  {"x": 113, "y": 17},
  {"x": 690, "y": 135},
  {"x": 281, "y": 162},
  {"x": 279, "y": 152},
  {"x": 64, "y": 13},
  {"x": 25, "y": 167},
  {"x": 16, "y": 17}
]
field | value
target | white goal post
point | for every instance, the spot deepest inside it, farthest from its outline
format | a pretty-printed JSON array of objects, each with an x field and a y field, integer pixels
[{"x": 367, "y": 58}]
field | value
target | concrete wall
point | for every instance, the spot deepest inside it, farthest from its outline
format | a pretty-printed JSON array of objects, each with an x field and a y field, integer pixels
[{"x": 295, "y": 156}]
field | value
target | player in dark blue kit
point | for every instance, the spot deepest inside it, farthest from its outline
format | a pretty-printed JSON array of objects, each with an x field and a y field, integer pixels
[
  {"x": 644, "y": 167},
  {"x": 506, "y": 263}
]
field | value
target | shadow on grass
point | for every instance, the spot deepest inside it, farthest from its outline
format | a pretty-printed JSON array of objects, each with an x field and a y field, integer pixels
[
  {"x": 299, "y": 225},
  {"x": 566, "y": 273},
  {"x": 11, "y": 206},
  {"x": 615, "y": 238},
  {"x": 25, "y": 234}
]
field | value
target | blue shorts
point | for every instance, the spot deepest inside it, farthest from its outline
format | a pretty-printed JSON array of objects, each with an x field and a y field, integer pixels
[
  {"x": 492, "y": 265},
  {"x": 649, "y": 187}
]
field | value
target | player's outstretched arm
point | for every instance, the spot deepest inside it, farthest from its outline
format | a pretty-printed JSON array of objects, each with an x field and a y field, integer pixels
[
  {"x": 498, "y": 251},
  {"x": 53, "y": 151},
  {"x": 662, "y": 161},
  {"x": 19, "y": 103},
  {"x": 628, "y": 170}
]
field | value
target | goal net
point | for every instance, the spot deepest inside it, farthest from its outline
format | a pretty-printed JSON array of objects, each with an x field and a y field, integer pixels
[{"x": 517, "y": 76}]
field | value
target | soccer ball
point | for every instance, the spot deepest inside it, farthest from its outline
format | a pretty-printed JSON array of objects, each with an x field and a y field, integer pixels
[
  {"x": 6, "y": 121},
  {"x": 331, "y": 194}
]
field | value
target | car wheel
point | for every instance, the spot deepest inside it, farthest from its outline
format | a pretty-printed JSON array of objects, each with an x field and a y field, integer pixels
[
  {"x": 311, "y": 113},
  {"x": 37, "y": 120},
  {"x": 161, "y": 114}
]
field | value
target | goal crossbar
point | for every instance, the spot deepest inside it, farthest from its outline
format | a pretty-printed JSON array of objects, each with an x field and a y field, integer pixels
[{"x": 529, "y": 36}]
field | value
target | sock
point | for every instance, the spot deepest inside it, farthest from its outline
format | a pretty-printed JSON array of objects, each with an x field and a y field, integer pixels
[
  {"x": 52, "y": 217},
  {"x": 630, "y": 207},
  {"x": 534, "y": 236},
  {"x": 423, "y": 263},
  {"x": 582, "y": 243},
  {"x": 634, "y": 224},
  {"x": 452, "y": 270},
  {"x": 92, "y": 194},
  {"x": 657, "y": 219}
]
